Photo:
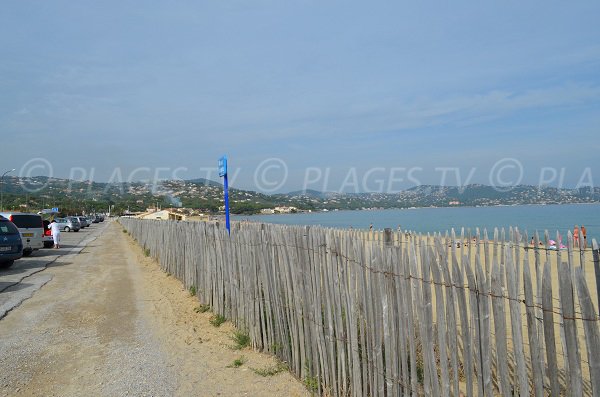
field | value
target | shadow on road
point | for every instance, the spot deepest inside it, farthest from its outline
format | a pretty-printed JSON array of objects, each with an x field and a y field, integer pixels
[
  {"x": 11, "y": 287},
  {"x": 20, "y": 266}
]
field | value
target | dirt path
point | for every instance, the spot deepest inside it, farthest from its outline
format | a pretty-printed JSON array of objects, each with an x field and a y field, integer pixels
[{"x": 111, "y": 323}]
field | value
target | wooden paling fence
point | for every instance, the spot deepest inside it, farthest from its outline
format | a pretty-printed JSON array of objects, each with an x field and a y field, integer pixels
[{"x": 393, "y": 314}]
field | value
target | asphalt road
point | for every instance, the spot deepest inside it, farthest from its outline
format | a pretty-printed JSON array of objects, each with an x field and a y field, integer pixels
[{"x": 26, "y": 275}]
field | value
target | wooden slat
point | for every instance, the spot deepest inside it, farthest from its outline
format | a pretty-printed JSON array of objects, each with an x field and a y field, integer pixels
[
  {"x": 590, "y": 326},
  {"x": 442, "y": 331},
  {"x": 497, "y": 290},
  {"x": 452, "y": 325},
  {"x": 534, "y": 344},
  {"x": 568, "y": 310},
  {"x": 516, "y": 324},
  {"x": 475, "y": 316},
  {"x": 549, "y": 336}
]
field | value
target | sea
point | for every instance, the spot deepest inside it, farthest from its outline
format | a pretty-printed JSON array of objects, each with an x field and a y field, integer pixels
[{"x": 530, "y": 218}]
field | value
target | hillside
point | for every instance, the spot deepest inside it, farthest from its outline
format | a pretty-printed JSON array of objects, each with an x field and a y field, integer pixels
[{"x": 207, "y": 196}]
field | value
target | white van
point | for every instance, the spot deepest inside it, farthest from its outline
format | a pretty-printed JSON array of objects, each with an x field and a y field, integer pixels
[{"x": 31, "y": 227}]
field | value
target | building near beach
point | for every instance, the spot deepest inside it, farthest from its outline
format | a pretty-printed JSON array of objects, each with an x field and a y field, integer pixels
[
  {"x": 164, "y": 215},
  {"x": 285, "y": 210}
]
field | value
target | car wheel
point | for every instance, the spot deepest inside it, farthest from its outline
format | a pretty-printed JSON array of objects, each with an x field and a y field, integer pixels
[
  {"x": 67, "y": 229},
  {"x": 48, "y": 244},
  {"x": 27, "y": 252},
  {"x": 6, "y": 265},
  {"x": 76, "y": 230}
]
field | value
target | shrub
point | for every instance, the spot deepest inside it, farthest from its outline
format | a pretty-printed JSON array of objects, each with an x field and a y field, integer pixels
[
  {"x": 217, "y": 320},
  {"x": 241, "y": 339}
]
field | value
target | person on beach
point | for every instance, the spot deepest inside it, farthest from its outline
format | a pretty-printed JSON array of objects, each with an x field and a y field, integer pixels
[
  {"x": 576, "y": 236},
  {"x": 584, "y": 236},
  {"x": 55, "y": 228},
  {"x": 371, "y": 227}
]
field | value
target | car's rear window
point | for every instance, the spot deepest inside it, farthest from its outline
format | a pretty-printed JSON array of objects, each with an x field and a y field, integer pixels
[
  {"x": 7, "y": 228},
  {"x": 27, "y": 221}
]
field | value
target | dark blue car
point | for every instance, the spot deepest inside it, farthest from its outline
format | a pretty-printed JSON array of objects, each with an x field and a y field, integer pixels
[{"x": 11, "y": 246}]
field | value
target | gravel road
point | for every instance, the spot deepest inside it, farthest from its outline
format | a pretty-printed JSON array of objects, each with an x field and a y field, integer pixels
[{"x": 109, "y": 322}]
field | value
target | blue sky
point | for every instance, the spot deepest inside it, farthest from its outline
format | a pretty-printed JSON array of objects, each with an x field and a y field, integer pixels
[{"x": 342, "y": 87}]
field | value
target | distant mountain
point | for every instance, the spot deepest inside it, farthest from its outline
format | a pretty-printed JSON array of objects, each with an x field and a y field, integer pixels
[
  {"x": 309, "y": 193},
  {"x": 207, "y": 196},
  {"x": 205, "y": 182}
]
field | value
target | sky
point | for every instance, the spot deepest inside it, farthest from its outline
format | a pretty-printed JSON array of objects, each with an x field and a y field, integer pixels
[{"x": 325, "y": 95}]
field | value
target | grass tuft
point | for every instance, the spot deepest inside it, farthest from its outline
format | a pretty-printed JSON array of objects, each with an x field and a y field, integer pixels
[
  {"x": 124, "y": 231},
  {"x": 311, "y": 383},
  {"x": 217, "y": 320},
  {"x": 202, "y": 308},
  {"x": 193, "y": 290},
  {"x": 238, "y": 362},
  {"x": 241, "y": 339},
  {"x": 272, "y": 370},
  {"x": 147, "y": 251}
]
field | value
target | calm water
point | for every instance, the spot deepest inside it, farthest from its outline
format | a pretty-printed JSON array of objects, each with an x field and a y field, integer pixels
[{"x": 526, "y": 217}]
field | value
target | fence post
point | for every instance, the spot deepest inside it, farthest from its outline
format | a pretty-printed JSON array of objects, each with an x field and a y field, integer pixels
[
  {"x": 596, "y": 254},
  {"x": 387, "y": 237}
]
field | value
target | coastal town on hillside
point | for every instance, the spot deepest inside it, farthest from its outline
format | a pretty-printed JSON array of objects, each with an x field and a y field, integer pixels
[{"x": 196, "y": 197}]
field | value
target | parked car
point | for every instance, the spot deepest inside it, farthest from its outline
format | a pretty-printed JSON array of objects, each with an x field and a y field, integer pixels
[
  {"x": 31, "y": 227},
  {"x": 83, "y": 221},
  {"x": 67, "y": 224},
  {"x": 47, "y": 239},
  {"x": 96, "y": 219},
  {"x": 11, "y": 245},
  {"x": 75, "y": 222}
]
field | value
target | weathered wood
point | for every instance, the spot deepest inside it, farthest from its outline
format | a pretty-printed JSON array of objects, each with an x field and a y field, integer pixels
[
  {"x": 475, "y": 321},
  {"x": 516, "y": 325},
  {"x": 592, "y": 334},
  {"x": 534, "y": 344},
  {"x": 563, "y": 338},
  {"x": 352, "y": 313},
  {"x": 538, "y": 297},
  {"x": 596, "y": 258},
  {"x": 497, "y": 290},
  {"x": 550, "y": 339},
  {"x": 484, "y": 327},
  {"x": 452, "y": 325},
  {"x": 410, "y": 322},
  {"x": 568, "y": 314},
  {"x": 442, "y": 332}
]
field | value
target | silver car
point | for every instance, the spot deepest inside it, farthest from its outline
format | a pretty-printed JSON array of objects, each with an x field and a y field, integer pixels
[
  {"x": 83, "y": 221},
  {"x": 75, "y": 222},
  {"x": 68, "y": 224}
]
